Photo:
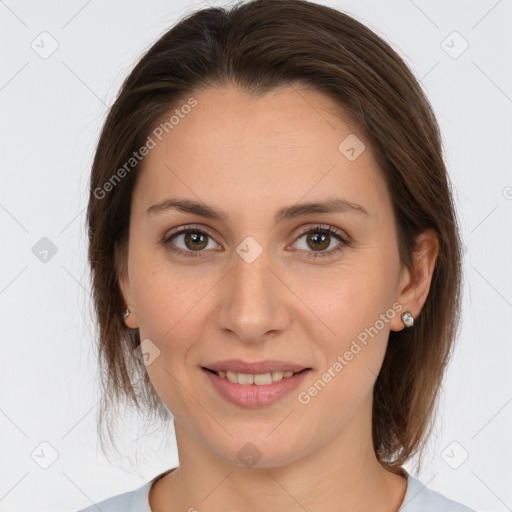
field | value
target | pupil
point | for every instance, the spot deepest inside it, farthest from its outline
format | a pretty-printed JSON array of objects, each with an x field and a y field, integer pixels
[
  {"x": 319, "y": 243},
  {"x": 195, "y": 237}
]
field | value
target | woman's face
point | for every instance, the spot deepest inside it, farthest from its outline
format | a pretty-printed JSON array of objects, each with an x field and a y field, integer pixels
[{"x": 254, "y": 285}]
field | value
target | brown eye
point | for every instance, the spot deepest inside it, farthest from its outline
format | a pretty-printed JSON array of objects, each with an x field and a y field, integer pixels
[
  {"x": 189, "y": 242},
  {"x": 195, "y": 240},
  {"x": 319, "y": 238}
]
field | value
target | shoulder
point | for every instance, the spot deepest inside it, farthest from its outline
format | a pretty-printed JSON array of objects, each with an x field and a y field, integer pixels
[
  {"x": 132, "y": 501},
  {"x": 419, "y": 498}
]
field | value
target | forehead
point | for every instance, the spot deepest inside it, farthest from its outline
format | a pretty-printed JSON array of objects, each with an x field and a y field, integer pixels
[{"x": 286, "y": 145}]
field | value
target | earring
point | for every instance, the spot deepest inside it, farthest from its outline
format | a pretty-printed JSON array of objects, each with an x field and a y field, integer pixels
[
  {"x": 126, "y": 313},
  {"x": 408, "y": 319}
]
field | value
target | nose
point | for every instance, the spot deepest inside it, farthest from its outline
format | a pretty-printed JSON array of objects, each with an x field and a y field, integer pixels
[{"x": 254, "y": 301}]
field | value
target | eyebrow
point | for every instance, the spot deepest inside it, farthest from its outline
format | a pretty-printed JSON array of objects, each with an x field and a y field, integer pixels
[{"x": 289, "y": 212}]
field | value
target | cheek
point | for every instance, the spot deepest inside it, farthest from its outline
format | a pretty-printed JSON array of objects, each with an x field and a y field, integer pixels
[
  {"x": 355, "y": 312},
  {"x": 172, "y": 310},
  {"x": 352, "y": 356},
  {"x": 168, "y": 295},
  {"x": 347, "y": 302}
]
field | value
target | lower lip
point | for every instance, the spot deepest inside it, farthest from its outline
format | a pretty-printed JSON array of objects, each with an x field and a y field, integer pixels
[{"x": 253, "y": 395}]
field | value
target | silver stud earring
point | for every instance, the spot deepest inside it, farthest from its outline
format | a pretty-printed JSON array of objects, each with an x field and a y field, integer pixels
[
  {"x": 126, "y": 313},
  {"x": 408, "y": 319}
]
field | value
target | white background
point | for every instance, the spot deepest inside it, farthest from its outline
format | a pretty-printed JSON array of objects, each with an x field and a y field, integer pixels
[{"x": 51, "y": 113}]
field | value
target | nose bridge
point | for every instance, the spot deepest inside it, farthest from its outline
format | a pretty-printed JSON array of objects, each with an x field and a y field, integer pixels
[{"x": 253, "y": 303}]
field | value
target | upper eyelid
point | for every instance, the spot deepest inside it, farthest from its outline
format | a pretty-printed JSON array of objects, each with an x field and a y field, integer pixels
[
  {"x": 323, "y": 227},
  {"x": 185, "y": 229}
]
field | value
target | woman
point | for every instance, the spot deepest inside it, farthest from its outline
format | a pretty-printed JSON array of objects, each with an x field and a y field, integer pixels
[{"x": 276, "y": 262}]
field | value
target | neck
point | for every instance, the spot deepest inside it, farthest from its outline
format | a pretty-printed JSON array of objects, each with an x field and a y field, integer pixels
[{"x": 342, "y": 474}]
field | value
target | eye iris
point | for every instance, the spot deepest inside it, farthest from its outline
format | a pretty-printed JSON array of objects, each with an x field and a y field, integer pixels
[
  {"x": 195, "y": 237},
  {"x": 318, "y": 240}
]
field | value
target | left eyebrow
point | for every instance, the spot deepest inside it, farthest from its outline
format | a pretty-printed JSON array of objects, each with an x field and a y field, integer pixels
[
  {"x": 289, "y": 212},
  {"x": 329, "y": 206}
]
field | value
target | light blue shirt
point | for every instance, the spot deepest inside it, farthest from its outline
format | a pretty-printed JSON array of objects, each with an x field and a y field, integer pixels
[{"x": 418, "y": 498}]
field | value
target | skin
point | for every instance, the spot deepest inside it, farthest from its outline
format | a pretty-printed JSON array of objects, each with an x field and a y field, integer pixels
[{"x": 250, "y": 157}]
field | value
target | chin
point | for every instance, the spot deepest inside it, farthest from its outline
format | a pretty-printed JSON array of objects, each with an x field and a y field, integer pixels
[{"x": 258, "y": 451}]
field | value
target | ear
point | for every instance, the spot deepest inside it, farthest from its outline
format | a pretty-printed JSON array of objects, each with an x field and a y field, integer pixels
[
  {"x": 414, "y": 286},
  {"x": 121, "y": 266}
]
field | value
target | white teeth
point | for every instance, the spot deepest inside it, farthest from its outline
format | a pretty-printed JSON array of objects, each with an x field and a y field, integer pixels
[
  {"x": 263, "y": 379},
  {"x": 245, "y": 378},
  {"x": 260, "y": 379},
  {"x": 232, "y": 377}
]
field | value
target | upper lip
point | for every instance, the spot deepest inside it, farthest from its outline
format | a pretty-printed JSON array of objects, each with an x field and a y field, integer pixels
[{"x": 265, "y": 366}]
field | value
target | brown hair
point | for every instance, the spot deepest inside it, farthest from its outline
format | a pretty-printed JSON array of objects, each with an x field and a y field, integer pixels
[{"x": 261, "y": 45}]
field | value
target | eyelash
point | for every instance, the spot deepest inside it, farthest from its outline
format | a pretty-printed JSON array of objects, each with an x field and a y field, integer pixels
[{"x": 320, "y": 228}]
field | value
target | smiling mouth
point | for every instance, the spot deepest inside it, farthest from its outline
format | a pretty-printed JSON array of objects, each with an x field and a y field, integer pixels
[{"x": 259, "y": 379}]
